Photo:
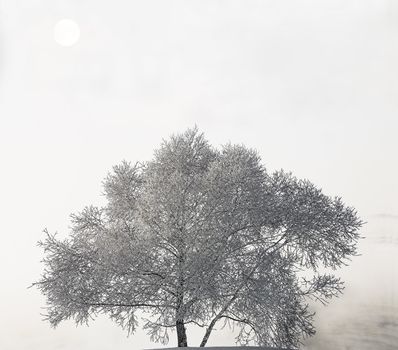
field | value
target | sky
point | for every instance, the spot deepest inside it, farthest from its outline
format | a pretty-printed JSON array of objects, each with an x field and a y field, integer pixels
[{"x": 312, "y": 85}]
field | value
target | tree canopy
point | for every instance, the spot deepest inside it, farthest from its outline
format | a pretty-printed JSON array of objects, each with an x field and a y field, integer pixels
[{"x": 201, "y": 236}]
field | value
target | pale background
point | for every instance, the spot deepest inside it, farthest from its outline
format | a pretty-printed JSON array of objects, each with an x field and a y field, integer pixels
[{"x": 312, "y": 85}]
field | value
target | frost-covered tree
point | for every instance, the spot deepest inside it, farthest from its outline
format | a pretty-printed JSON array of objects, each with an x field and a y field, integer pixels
[{"x": 201, "y": 236}]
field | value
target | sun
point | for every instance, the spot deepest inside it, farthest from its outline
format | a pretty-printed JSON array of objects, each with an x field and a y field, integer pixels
[{"x": 66, "y": 32}]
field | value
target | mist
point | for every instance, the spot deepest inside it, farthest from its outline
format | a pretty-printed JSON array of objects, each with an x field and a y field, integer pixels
[{"x": 311, "y": 85}]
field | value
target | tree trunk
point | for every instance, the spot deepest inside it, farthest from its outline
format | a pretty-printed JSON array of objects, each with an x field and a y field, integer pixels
[
  {"x": 215, "y": 319},
  {"x": 208, "y": 331},
  {"x": 181, "y": 334}
]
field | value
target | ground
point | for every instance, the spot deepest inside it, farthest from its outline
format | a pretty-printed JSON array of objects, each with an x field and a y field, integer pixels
[{"x": 225, "y": 348}]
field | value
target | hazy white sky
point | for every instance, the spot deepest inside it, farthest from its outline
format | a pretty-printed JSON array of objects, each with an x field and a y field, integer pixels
[{"x": 312, "y": 85}]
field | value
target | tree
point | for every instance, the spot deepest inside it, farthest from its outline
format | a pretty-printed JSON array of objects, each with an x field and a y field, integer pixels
[{"x": 200, "y": 236}]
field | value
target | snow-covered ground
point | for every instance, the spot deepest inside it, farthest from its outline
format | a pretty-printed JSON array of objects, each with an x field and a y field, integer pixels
[{"x": 226, "y": 348}]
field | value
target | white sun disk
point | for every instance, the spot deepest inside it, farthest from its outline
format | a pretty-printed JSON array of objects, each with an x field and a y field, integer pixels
[{"x": 66, "y": 32}]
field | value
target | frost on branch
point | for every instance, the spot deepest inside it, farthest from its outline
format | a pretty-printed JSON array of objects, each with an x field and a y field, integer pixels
[{"x": 200, "y": 236}]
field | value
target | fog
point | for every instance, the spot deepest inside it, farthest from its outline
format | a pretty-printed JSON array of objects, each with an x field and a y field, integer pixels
[
  {"x": 366, "y": 316},
  {"x": 312, "y": 85}
]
